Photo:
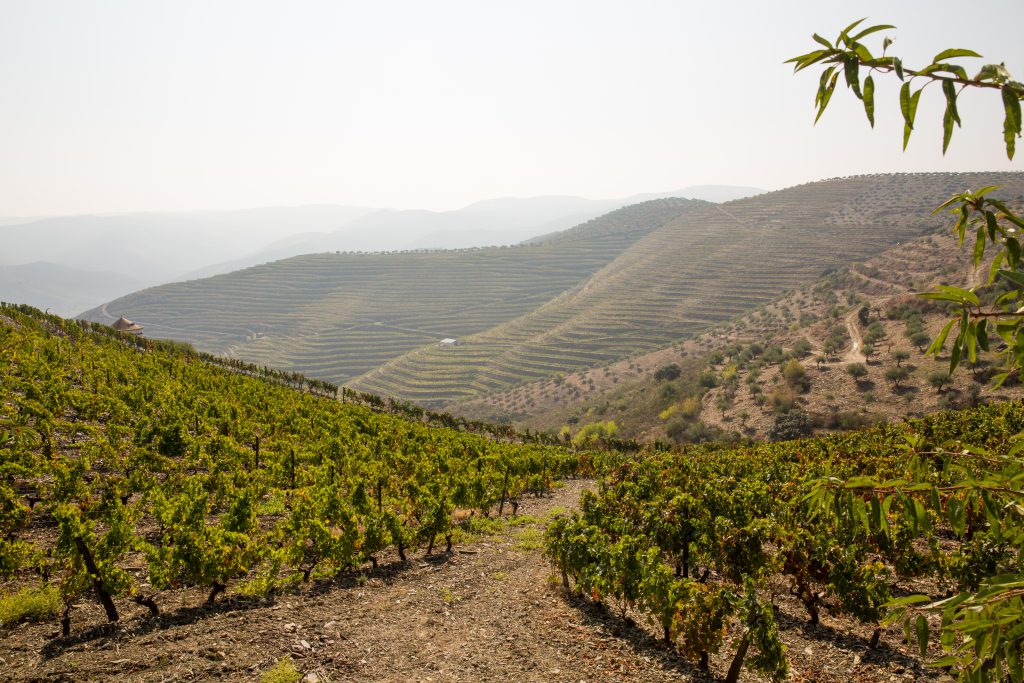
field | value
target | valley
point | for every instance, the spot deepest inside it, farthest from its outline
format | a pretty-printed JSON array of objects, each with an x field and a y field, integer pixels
[
  {"x": 631, "y": 282},
  {"x": 352, "y": 342}
]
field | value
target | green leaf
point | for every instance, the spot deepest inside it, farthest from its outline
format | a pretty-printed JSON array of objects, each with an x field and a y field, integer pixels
[
  {"x": 874, "y": 29},
  {"x": 1007, "y": 214},
  {"x": 851, "y": 70},
  {"x": 846, "y": 31},
  {"x": 920, "y": 516},
  {"x": 966, "y": 295},
  {"x": 905, "y": 102},
  {"x": 993, "y": 270},
  {"x": 995, "y": 73},
  {"x": 940, "y": 340},
  {"x": 955, "y": 514},
  {"x": 869, "y": 99},
  {"x": 1014, "y": 277},
  {"x": 898, "y": 64},
  {"x": 1011, "y": 124},
  {"x": 913, "y": 106},
  {"x": 950, "y": 54},
  {"x": 908, "y": 107},
  {"x": 979, "y": 242},
  {"x": 921, "y": 627},
  {"x": 863, "y": 53},
  {"x": 1006, "y": 298},
  {"x": 992, "y": 225},
  {"x": 947, "y": 130},
  {"x": 827, "y": 96},
  {"x": 822, "y": 85},
  {"x": 908, "y": 600},
  {"x": 954, "y": 69},
  {"x": 818, "y": 39},
  {"x": 1013, "y": 251},
  {"x": 949, "y": 90}
]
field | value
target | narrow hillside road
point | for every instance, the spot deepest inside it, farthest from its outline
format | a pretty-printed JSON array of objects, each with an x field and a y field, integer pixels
[
  {"x": 973, "y": 279},
  {"x": 854, "y": 355},
  {"x": 106, "y": 314}
]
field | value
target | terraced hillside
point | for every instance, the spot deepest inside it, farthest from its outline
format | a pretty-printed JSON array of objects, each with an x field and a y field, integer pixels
[
  {"x": 702, "y": 268},
  {"x": 336, "y": 316},
  {"x": 750, "y": 390}
]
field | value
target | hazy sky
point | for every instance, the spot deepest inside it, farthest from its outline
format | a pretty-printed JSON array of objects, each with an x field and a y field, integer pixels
[{"x": 114, "y": 106}]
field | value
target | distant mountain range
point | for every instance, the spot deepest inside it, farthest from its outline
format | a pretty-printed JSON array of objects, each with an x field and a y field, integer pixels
[
  {"x": 60, "y": 289},
  {"x": 125, "y": 252}
]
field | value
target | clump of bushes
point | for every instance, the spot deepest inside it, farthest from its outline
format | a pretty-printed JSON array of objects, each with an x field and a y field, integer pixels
[
  {"x": 29, "y": 604},
  {"x": 595, "y": 432},
  {"x": 668, "y": 373},
  {"x": 791, "y": 425}
]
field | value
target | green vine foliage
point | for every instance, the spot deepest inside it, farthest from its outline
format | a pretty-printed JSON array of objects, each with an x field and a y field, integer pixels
[
  {"x": 221, "y": 476},
  {"x": 698, "y": 541}
]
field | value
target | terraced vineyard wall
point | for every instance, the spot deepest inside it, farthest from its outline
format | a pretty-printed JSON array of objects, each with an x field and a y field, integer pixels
[
  {"x": 705, "y": 267},
  {"x": 336, "y": 316}
]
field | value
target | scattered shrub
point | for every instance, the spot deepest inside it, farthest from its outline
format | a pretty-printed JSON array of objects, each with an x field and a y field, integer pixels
[
  {"x": 856, "y": 370},
  {"x": 796, "y": 376},
  {"x": 29, "y": 604},
  {"x": 792, "y": 425},
  {"x": 283, "y": 671},
  {"x": 668, "y": 373},
  {"x": 801, "y": 347},
  {"x": 595, "y": 432},
  {"x": 783, "y": 399},
  {"x": 939, "y": 379},
  {"x": 690, "y": 408},
  {"x": 897, "y": 376}
]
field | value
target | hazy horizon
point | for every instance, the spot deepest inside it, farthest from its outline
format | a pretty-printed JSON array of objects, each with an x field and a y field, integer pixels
[
  {"x": 24, "y": 219},
  {"x": 126, "y": 107}
]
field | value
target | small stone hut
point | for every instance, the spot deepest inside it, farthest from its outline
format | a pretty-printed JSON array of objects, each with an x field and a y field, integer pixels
[{"x": 125, "y": 325}]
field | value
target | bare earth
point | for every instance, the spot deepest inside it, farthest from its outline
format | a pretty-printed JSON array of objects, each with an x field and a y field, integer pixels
[{"x": 487, "y": 612}]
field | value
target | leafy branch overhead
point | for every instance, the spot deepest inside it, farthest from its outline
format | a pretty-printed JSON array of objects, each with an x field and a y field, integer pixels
[
  {"x": 991, "y": 221},
  {"x": 849, "y": 56}
]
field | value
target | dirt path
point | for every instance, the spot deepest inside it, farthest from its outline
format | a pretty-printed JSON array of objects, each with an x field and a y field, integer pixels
[
  {"x": 973, "y": 280},
  {"x": 854, "y": 355},
  {"x": 106, "y": 314}
]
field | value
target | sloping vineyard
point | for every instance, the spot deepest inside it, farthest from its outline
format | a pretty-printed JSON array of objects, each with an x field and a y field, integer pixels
[
  {"x": 128, "y": 467},
  {"x": 852, "y": 524}
]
